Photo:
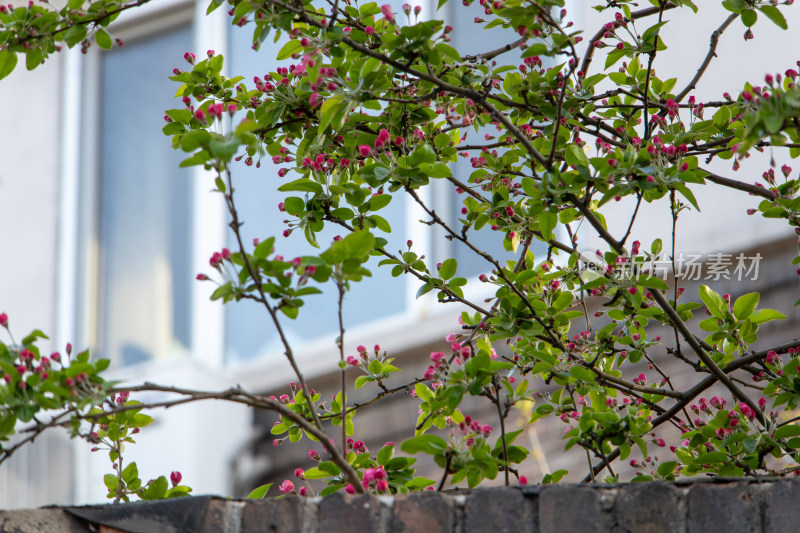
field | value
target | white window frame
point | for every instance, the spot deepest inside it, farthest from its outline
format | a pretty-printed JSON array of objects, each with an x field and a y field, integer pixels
[
  {"x": 77, "y": 285},
  {"x": 77, "y": 279}
]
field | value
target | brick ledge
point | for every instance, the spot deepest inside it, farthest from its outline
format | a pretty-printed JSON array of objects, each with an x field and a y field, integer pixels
[{"x": 707, "y": 506}]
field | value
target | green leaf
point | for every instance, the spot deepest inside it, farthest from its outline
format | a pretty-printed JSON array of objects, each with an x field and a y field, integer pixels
[
  {"x": 448, "y": 268},
  {"x": 259, "y": 492},
  {"x": 423, "y": 154},
  {"x": 157, "y": 489},
  {"x": 575, "y": 155},
  {"x": 33, "y": 58},
  {"x": 302, "y": 185},
  {"x": 430, "y": 444},
  {"x": 288, "y": 49},
  {"x": 734, "y": 5},
  {"x": 385, "y": 455},
  {"x": 744, "y": 305},
  {"x": 547, "y": 223},
  {"x": 103, "y": 39},
  {"x": 722, "y": 117},
  {"x": 765, "y": 315},
  {"x": 111, "y": 482},
  {"x": 358, "y": 244},
  {"x": 749, "y": 17},
  {"x": 582, "y": 373},
  {"x": 711, "y": 458},
  {"x": 652, "y": 282},
  {"x": 651, "y": 31},
  {"x": 316, "y": 473},
  {"x": 774, "y": 14},
  {"x": 370, "y": 65},
  {"x": 333, "y": 112},
  {"x": 667, "y": 468},
  {"x": 379, "y": 201},
  {"x": 363, "y": 380},
  {"x": 421, "y": 482},
  {"x": 449, "y": 51},
  {"x": 130, "y": 473},
  {"x": 716, "y": 306},
  {"x": 8, "y": 60},
  {"x": 789, "y": 430}
]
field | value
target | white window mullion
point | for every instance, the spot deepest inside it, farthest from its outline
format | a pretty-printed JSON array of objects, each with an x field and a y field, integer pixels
[{"x": 209, "y": 226}]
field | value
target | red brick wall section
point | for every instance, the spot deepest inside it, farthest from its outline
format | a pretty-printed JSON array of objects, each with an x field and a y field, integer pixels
[{"x": 704, "y": 506}]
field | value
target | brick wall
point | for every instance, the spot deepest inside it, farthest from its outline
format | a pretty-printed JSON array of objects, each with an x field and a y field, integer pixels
[{"x": 705, "y": 506}]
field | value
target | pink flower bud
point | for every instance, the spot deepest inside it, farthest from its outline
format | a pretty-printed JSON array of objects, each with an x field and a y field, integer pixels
[
  {"x": 287, "y": 487},
  {"x": 4, "y": 320},
  {"x": 175, "y": 477},
  {"x": 386, "y": 9}
]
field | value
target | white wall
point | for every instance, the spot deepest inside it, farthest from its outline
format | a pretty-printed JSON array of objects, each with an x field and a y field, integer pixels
[{"x": 29, "y": 151}]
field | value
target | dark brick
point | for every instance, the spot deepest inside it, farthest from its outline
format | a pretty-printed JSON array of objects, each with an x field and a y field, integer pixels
[
  {"x": 347, "y": 514},
  {"x": 498, "y": 510},
  {"x": 223, "y": 516},
  {"x": 50, "y": 520},
  {"x": 722, "y": 508},
  {"x": 782, "y": 512},
  {"x": 163, "y": 516},
  {"x": 287, "y": 514},
  {"x": 648, "y": 508},
  {"x": 576, "y": 509},
  {"x": 423, "y": 511}
]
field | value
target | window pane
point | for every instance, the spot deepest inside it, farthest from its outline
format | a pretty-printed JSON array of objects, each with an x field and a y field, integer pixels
[
  {"x": 145, "y": 209},
  {"x": 248, "y": 331},
  {"x": 463, "y": 39}
]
